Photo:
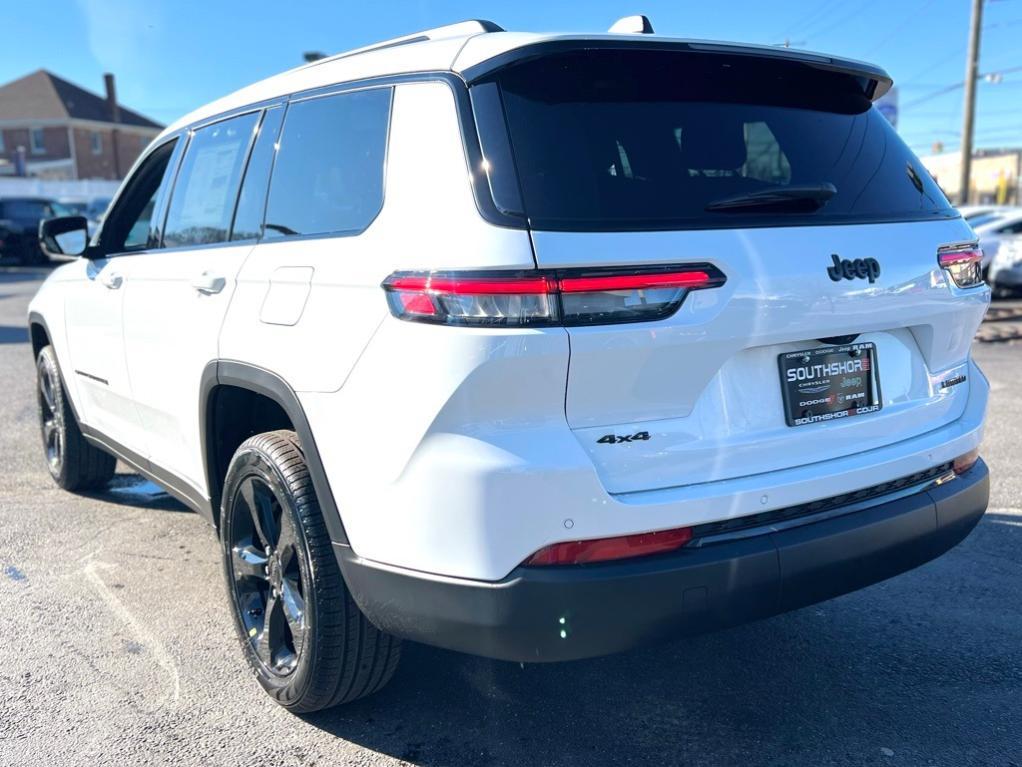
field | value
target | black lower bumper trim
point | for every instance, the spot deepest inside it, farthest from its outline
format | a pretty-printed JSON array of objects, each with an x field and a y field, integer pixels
[{"x": 543, "y": 614}]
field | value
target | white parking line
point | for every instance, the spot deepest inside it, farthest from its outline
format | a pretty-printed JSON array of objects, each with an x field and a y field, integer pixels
[{"x": 163, "y": 658}]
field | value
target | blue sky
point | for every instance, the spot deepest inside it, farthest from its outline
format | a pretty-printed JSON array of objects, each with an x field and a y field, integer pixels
[{"x": 171, "y": 56}]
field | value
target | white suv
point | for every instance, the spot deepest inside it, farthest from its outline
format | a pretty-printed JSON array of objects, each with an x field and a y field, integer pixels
[{"x": 535, "y": 347}]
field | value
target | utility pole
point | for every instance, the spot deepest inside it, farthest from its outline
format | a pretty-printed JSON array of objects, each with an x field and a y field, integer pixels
[{"x": 971, "y": 67}]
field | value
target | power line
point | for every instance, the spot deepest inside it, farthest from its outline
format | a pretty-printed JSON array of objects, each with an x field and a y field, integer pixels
[
  {"x": 953, "y": 54},
  {"x": 952, "y": 88},
  {"x": 838, "y": 22},
  {"x": 897, "y": 30},
  {"x": 810, "y": 19},
  {"x": 957, "y": 51}
]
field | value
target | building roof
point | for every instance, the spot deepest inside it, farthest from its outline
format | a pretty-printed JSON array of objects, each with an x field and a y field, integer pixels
[
  {"x": 462, "y": 49},
  {"x": 44, "y": 96}
]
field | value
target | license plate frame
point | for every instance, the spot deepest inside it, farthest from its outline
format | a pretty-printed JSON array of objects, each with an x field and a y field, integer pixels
[{"x": 828, "y": 383}]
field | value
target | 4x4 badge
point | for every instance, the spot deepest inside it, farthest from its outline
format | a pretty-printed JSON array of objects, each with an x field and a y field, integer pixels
[{"x": 863, "y": 268}]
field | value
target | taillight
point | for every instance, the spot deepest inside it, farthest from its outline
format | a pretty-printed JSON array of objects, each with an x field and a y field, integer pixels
[
  {"x": 963, "y": 263},
  {"x": 562, "y": 297},
  {"x": 965, "y": 462},
  {"x": 608, "y": 549}
]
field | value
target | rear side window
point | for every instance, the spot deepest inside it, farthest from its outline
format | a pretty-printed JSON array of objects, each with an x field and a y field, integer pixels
[
  {"x": 328, "y": 175},
  {"x": 202, "y": 203},
  {"x": 635, "y": 139},
  {"x": 248, "y": 220}
]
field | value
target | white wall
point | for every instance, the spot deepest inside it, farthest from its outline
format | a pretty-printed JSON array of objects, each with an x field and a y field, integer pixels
[{"x": 37, "y": 187}]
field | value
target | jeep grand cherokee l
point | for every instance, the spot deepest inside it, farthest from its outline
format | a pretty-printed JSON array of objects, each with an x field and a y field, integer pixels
[{"x": 536, "y": 347}]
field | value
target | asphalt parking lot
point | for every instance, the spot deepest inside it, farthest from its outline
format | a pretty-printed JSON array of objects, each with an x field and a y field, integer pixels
[{"x": 116, "y": 646}]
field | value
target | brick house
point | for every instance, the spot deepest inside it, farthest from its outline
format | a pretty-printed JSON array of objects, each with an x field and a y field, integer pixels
[{"x": 51, "y": 128}]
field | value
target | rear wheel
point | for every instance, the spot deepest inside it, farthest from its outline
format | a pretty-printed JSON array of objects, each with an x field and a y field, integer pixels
[
  {"x": 74, "y": 463},
  {"x": 302, "y": 634}
]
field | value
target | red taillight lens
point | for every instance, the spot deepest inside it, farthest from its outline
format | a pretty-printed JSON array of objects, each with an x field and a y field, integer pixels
[
  {"x": 577, "y": 297},
  {"x": 512, "y": 300},
  {"x": 965, "y": 462},
  {"x": 963, "y": 263},
  {"x": 608, "y": 549},
  {"x": 593, "y": 284}
]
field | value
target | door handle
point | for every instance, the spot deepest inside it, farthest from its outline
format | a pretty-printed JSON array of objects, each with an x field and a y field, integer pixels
[
  {"x": 209, "y": 283},
  {"x": 112, "y": 280}
]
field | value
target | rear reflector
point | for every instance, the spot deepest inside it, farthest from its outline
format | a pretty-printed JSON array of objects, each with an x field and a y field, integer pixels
[
  {"x": 544, "y": 298},
  {"x": 963, "y": 263},
  {"x": 965, "y": 462},
  {"x": 608, "y": 549}
]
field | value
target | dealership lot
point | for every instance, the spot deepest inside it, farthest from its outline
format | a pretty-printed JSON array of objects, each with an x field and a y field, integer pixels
[{"x": 116, "y": 647}]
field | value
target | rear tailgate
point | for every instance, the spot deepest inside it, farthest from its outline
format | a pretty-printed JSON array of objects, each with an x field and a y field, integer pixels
[
  {"x": 705, "y": 383},
  {"x": 784, "y": 177}
]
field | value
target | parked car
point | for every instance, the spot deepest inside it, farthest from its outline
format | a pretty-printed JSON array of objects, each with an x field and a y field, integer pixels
[
  {"x": 1002, "y": 229},
  {"x": 92, "y": 208},
  {"x": 1002, "y": 245},
  {"x": 977, "y": 215},
  {"x": 535, "y": 347},
  {"x": 19, "y": 227}
]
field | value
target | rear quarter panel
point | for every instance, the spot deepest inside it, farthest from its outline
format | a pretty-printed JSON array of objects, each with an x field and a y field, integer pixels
[{"x": 428, "y": 221}]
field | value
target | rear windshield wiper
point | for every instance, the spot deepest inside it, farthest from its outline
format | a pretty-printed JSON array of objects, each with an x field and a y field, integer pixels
[{"x": 797, "y": 198}]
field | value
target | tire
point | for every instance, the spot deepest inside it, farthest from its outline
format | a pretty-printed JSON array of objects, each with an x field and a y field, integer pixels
[
  {"x": 301, "y": 633},
  {"x": 73, "y": 462}
]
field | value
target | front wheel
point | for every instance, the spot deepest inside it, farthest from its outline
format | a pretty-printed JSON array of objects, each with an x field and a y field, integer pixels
[
  {"x": 73, "y": 462},
  {"x": 301, "y": 632}
]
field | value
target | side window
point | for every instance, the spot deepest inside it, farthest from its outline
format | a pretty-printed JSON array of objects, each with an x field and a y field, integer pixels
[
  {"x": 328, "y": 176},
  {"x": 202, "y": 202},
  {"x": 248, "y": 220},
  {"x": 138, "y": 236},
  {"x": 130, "y": 226}
]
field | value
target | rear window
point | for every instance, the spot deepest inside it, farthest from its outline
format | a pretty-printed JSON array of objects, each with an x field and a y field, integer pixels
[
  {"x": 619, "y": 139},
  {"x": 328, "y": 176}
]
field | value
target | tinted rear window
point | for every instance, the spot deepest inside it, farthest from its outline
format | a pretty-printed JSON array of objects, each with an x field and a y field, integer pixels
[
  {"x": 328, "y": 176},
  {"x": 613, "y": 139}
]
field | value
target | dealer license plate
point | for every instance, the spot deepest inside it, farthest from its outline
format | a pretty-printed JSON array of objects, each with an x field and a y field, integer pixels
[{"x": 829, "y": 383}]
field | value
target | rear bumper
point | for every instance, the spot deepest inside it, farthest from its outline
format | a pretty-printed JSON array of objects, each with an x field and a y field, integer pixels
[{"x": 554, "y": 614}]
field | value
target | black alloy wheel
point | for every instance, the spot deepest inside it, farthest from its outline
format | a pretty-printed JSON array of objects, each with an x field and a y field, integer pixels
[
  {"x": 73, "y": 462},
  {"x": 269, "y": 590},
  {"x": 301, "y": 632},
  {"x": 49, "y": 416}
]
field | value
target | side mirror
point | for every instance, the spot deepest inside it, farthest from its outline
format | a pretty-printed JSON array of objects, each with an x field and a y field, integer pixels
[{"x": 66, "y": 237}]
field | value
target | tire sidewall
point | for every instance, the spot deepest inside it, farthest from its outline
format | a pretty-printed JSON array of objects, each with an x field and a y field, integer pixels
[
  {"x": 47, "y": 359},
  {"x": 252, "y": 461}
]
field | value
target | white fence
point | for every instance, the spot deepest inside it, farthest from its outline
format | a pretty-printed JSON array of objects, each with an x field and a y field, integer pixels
[{"x": 39, "y": 187}]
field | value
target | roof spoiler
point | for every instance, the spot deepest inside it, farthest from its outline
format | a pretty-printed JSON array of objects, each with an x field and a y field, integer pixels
[{"x": 877, "y": 81}]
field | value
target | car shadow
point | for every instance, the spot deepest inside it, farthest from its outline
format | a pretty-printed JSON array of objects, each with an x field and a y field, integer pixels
[
  {"x": 858, "y": 677},
  {"x": 129, "y": 489}
]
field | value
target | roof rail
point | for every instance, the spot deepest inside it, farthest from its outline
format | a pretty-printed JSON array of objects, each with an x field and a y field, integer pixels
[{"x": 461, "y": 29}]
